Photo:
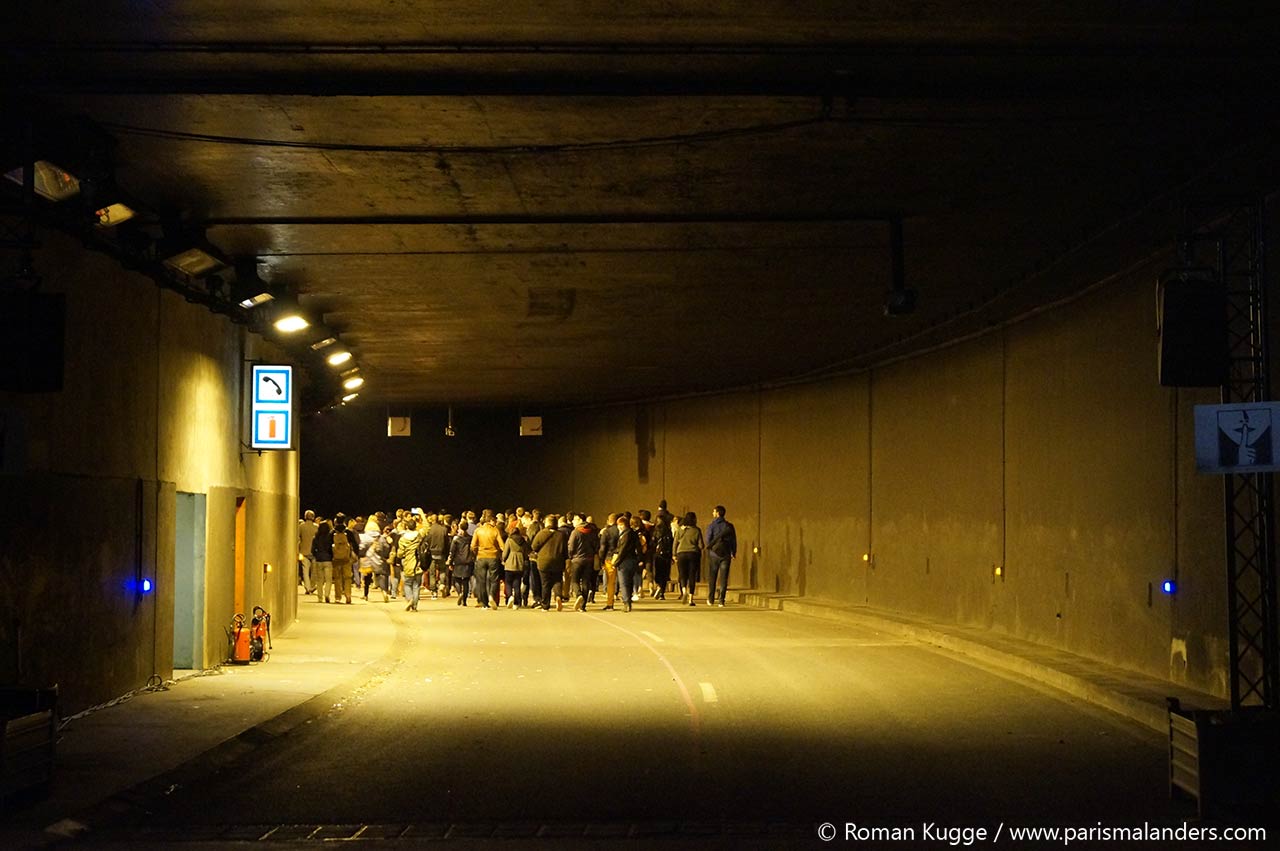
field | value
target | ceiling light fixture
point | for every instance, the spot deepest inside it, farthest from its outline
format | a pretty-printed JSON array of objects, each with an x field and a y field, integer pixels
[
  {"x": 339, "y": 358},
  {"x": 320, "y": 344},
  {"x": 113, "y": 214},
  {"x": 353, "y": 382},
  {"x": 52, "y": 183},
  {"x": 250, "y": 290},
  {"x": 349, "y": 397}
]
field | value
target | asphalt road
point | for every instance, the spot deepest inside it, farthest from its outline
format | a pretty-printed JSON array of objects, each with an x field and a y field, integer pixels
[{"x": 718, "y": 717}]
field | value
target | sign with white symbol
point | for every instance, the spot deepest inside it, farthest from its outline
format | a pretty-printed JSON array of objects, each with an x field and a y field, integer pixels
[
  {"x": 1238, "y": 438},
  {"x": 272, "y": 408}
]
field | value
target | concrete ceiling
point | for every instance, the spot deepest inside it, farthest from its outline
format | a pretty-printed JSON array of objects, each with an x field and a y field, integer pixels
[{"x": 544, "y": 203}]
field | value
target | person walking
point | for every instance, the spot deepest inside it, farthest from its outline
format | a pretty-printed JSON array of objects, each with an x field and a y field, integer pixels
[
  {"x": 583, "y": 543},
  {"x": 661, "y": 547},
  {"x": 608, "y": 547},
  {"x": 306, "y": 535},
  {"x": 487, "y": 546},
  {"x": 626, "y": 559},
  {"x": 722, "y": 547},
  {"x": 461, "y": 562},
  {"x": 515, "y": 556},
  {"x": 380, "y": 553},
  {"x": 437, "y": 545},
  {"x": 322, "y": 553},
  {"x": 344, "y": 556},
  {"x": 689, "y": 556},
  {"x": 410, "y": 566},
  {"x": 550, "y": 547}
]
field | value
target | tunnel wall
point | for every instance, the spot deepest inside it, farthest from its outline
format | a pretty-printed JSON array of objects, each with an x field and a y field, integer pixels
[
  {"x": 1046, "y": 448},
  {"x": 149, "y": 408}
]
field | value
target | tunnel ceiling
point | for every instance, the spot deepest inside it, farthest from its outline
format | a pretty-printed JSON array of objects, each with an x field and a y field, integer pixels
[{"x": 557, "y": 202}]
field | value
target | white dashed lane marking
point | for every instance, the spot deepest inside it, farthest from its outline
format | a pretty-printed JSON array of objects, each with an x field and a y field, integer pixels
[
  {"x": 708, "y": 693},
  {"x": 651, "y": 636}
]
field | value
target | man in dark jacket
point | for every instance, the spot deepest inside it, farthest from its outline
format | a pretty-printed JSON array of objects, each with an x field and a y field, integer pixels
[
  {"x": 608, "y": 545},
  {"x": 437, "y": 544},
  {"x": 584, "y": 541},
  {"x": 550, "y": 548},
  {"x": 722, "y": 547}
]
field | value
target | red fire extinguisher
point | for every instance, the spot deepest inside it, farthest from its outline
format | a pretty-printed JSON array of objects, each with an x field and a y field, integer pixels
[
  {"x": 239, "y": 634},
  {"x": 259, "y": 629}
]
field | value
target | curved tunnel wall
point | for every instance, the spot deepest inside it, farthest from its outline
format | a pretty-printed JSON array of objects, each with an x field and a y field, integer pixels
[{"x": 1047, "y": 448}]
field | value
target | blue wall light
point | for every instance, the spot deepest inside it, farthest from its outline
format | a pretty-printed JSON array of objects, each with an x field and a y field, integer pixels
[
  {"x": 1168, "y": 586},
  {"x": 145, "y": 585}
]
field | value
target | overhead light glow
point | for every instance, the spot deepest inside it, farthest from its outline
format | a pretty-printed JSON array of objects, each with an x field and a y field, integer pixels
[
  {"x": 52, "y": 183},
  {"x": 339, "y": 358},
  {"x": 349, "y": 397},
  {"x": 291, "y": 322},
  {"x": 327, "y": 341},
  {"x": 353, "y": 382},
  {"x": 113, "y": 214}
]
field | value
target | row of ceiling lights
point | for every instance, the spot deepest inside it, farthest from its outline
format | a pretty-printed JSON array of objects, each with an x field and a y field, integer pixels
[{"x": 197, "y": 269}]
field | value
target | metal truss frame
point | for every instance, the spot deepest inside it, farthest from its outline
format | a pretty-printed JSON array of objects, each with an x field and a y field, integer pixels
[{"x": 1229, "y": 237}]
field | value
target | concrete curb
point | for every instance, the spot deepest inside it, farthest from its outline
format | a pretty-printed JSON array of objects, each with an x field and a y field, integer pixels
[
  {"x": 132, "y": 804},
  {"x": 1144, "y": 706}
]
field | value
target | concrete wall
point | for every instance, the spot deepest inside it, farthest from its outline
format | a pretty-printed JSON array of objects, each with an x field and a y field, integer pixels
[
  {"x": 1046, "y": 448},
  {"x": 150, "y": 406}
]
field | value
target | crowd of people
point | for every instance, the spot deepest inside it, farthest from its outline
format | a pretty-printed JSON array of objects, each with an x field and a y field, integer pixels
[{"x": 517, "y": 558}]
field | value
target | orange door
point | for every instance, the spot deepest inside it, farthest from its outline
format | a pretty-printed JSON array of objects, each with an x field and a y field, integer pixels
[{"x": 239, "y": 561}]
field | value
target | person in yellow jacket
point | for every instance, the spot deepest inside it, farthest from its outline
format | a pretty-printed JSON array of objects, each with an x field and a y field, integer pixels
[{"x": 410, "y": 569}]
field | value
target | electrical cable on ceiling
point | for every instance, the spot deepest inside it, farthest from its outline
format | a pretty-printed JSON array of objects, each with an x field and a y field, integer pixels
[
  {"x": 567, "y": 147},
  {"x": 622, "y": 144}
]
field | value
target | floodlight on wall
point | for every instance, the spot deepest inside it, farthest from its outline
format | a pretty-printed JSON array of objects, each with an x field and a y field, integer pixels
[
  {"x": 52, "y": 183},
  {"x": 112, "y": 215},
  {"x": 192, "y": 263},
  {"x": 353, "y": 383},
  {"x": 250, "y": 290},
  {"x": 339, "y": 358}
]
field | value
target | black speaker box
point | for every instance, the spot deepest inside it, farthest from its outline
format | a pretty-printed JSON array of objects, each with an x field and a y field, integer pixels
[
  {"x": 32, "y": 342},
  {"x": 1193, "y": 333}
]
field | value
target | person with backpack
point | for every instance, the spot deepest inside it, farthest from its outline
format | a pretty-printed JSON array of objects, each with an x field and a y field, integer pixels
[
  {"x": 722, "y": 547},
  {"x": 322, "y": 552},
  {"x": 373, "y": 565},
  {"x": 345, "y": 542},
  {"x": 410, "y": 568}
]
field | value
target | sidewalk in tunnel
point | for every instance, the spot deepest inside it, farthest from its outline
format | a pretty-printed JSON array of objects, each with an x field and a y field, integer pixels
[
  {"x": 1141, "y": 698},
  {"x": 124, "y": 753}
]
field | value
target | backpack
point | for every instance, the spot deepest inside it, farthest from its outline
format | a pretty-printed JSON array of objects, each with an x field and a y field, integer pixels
[
  {"x": 383, "y": 548},
  {"x": 341, "y": 547}
]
